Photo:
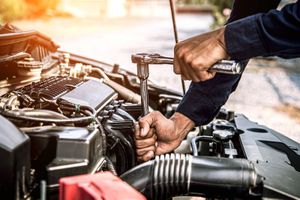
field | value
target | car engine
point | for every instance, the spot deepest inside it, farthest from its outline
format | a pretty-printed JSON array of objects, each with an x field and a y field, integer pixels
[{"x": 64, "y": 115}]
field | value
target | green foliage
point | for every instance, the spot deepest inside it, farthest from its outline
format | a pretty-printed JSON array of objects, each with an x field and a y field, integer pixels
[
  {"x": 38, "y": 8},
  {"x": 221, "y": 4},
  {"x": 16, "y": 9},
  {"x": 192, "y": 1},
  {"x": 11, "y": 9},
  {"x": 217, "y": 8}
]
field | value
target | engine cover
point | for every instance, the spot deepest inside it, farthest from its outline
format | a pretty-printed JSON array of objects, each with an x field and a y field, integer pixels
[
  {"x": 64, "y": 151},
  {"x": 90, "y": 93}
]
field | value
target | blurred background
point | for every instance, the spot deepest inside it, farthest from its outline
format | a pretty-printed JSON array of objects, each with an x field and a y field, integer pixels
[{"x": 112, "y": 30}]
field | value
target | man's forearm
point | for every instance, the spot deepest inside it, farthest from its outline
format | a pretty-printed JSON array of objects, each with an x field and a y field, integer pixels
[
  {"x": 203, "y": 100},
  {"x": 183, "y": 124}
]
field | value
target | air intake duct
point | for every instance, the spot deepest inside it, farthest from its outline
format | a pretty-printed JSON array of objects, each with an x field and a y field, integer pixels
[{"x": 177, "y": 174}]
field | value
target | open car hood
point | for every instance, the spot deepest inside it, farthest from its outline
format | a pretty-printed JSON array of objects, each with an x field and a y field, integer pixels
[{"x": 14, "y": 41}]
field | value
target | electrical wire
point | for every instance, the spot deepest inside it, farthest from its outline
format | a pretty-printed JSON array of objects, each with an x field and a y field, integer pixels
[{"x": 202, "y": 138}]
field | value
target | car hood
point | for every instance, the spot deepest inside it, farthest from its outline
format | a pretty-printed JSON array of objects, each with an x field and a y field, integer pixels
[{"x": 13, "y": 41}]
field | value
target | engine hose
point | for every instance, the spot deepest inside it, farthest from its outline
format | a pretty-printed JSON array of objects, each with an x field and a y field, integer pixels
[
  {"x": 110, "y": 165},
  {"x": 178, "y": 174},
  {"x": 124, "y": 92},
  {"x": 42, "y": 114},
  {"x": 20, "y": 115},
  {"x": 15, "y": 57}
]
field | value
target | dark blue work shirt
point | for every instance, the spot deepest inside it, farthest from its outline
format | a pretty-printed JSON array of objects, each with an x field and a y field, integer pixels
[{"x": 255, "y": 28}]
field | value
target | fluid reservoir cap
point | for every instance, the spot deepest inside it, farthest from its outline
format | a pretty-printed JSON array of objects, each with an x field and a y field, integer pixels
[
  {"x": 223, "y": 134},
  {"x": 221, "y": 124}
]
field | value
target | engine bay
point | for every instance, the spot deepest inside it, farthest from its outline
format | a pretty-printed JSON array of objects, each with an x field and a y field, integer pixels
[{"x": 65, "y": 115}]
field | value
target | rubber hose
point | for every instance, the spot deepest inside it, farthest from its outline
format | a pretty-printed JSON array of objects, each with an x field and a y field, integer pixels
[
  {"x": 15, "y": 57},
  {"x": 42, "y": 114},
  {"x": 177, "y": 174},
  {"x": 22, "y": 116}
]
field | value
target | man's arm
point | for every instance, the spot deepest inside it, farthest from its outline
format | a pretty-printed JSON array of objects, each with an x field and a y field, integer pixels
[
  {"x": 200, "y": 104},
  {"x": 207, "y": 97},
  {"x": 275, "y": 33}
]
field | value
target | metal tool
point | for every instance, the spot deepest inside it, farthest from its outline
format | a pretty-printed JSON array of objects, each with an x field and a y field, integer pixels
[
  {"x": 224, "y": 66},
  {"x": 143, "y": 60}
]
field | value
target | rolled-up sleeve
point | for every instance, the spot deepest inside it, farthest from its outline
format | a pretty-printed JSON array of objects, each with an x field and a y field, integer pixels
[{"x": 203, "y": 100}]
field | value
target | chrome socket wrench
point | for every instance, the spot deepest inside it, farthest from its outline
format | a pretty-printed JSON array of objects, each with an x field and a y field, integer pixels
[{"x": 143, "y": 60}]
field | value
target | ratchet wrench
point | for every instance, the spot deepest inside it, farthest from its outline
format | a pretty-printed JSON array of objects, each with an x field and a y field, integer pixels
[{"x": 143, "y": 60}]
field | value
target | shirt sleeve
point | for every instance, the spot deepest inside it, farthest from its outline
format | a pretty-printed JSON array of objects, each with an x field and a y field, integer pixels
[
  {"x": 275, "y": 33},
  {"x": 203, "y": 100}
]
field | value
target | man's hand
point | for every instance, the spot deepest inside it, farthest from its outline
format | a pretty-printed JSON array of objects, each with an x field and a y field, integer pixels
[
  {"x": 194, "y": 56},
  {"x": 156, "y": 135}
]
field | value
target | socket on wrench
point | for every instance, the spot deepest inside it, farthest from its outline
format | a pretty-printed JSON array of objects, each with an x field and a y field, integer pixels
[{"x": 143, "y": 60}]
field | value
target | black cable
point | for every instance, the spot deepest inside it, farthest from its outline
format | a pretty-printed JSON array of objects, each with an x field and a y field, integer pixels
[
  {"x": 77, "y": 108},
  {"x": 202, "y": 138}
]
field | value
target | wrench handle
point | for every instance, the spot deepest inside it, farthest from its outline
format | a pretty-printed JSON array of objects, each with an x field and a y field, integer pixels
[
  {"x": 144, "y": 96},
  {"x": 224, "y": 66},
  {"x": 227, "y": 67}
]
